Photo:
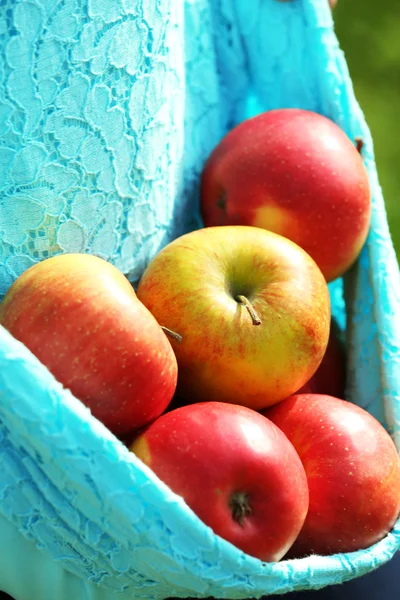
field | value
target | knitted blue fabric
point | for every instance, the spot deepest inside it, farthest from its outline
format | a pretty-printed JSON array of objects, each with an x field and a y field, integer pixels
[{"x": 108, "y": 109}]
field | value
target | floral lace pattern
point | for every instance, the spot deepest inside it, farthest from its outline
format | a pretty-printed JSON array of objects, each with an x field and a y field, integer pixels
[
  {"x": 91, "y": 101},
  {"x": 107, "y": 113}
]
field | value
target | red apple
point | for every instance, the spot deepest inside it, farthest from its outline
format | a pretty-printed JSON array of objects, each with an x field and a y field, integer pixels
[
  {"x": 332, "y": 3},
  {"x": 296, "y": 173},
  {"x": 330, "y": 377},
  {"x": 252, "y": 308},
  {"x": 81, "y": 317},
  {"x": 235, "y": 470},
  {"x": 352, "y": 468}
]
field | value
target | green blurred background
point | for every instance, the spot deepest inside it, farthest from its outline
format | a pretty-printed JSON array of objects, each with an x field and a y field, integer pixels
[{"x": 369, "y": 34}]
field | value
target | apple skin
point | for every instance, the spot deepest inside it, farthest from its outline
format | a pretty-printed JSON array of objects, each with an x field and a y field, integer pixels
[
  {"x": 192, "y": 286},
  {"x": 81, "y": 318},
  {"x": 235, "y": 469},
  {"x": 296, "y": 173},
  {"x": 352, "y": 468},
  {"x": 330, "y": 377},
  {"x": 332, "y": 3}
]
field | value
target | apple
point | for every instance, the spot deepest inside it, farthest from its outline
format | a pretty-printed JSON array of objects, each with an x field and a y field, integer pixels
[
  {"x": 352, "y": 468},
  {"x": 296, "y": 173},
  {"x": 235, "y": 469},
  {"x": 332, "y": 3},
  {"x": 330, "y": 377},
  {"x": 252, "y": 309},
  {"x": 80, "y": 316}
]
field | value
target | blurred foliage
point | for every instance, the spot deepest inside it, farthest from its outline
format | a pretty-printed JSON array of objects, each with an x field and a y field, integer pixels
[{"x": 369, "y": 34}]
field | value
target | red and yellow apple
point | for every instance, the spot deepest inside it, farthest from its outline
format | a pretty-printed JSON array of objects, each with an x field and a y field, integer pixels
[
  {"x": 296, "y": 173},
  {"x": 81, "y": 318},
  {"x": 235, "y": 469},
  {"x": 252, "y": 308},
  {"x": 352, "y": 468}
]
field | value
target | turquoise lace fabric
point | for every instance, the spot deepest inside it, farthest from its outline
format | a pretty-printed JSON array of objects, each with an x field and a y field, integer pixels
[{"x": 108, "y": 109}]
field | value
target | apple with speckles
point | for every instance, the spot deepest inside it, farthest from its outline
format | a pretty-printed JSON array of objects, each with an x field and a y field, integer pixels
[
  {"x": 235, "y": 469},
  {"x": 352, "y": 468},
  {"x": 80, "y": 316},
  {"x": 251, "y": 307},
  {"x": 294, "y": 172}
]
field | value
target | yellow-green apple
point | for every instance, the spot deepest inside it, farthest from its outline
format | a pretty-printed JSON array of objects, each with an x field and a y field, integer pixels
[
  {"x": 330, "y": 377},
  {"x": 80, "y": 316},
  {"x": 252, "y": 309},
  {"x": 352, "y": 468},
  {"x": 235, "y": 469},
  {"x": 296, "y": 173}
]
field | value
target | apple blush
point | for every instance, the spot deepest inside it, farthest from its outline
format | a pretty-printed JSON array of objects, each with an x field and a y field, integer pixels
[
  {"x": 296, "y": 173},
  {"x": 330, "y": 377},
  {"x": 80, "y": 316},
  {"x": 235, "y": 469},
  {"x": 352, "y": 468},
  {"x": 252, "y": 309}
]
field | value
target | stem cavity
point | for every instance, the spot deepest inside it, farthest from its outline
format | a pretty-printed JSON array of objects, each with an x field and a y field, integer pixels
[
  {"x": 221, "y": 202},
  {"x": 253, "y": 314},
  {"x": 240, "y": 507}
]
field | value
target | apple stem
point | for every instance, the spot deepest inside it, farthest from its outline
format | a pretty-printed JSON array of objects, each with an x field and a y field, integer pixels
[
  {"x": 359, "y": 144},
  {"x": 172, "y": 334},
  {"x": 254, "y": 316},
  {"x": 239, "y": 504},
  {"x": 221, "y": 202}
]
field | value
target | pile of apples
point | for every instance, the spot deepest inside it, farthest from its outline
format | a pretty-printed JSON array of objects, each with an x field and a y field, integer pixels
[{"x": 224, "y": 372}]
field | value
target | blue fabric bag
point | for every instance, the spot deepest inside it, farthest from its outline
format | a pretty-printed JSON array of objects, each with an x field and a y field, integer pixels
[{"x": 108, "y": 109}]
